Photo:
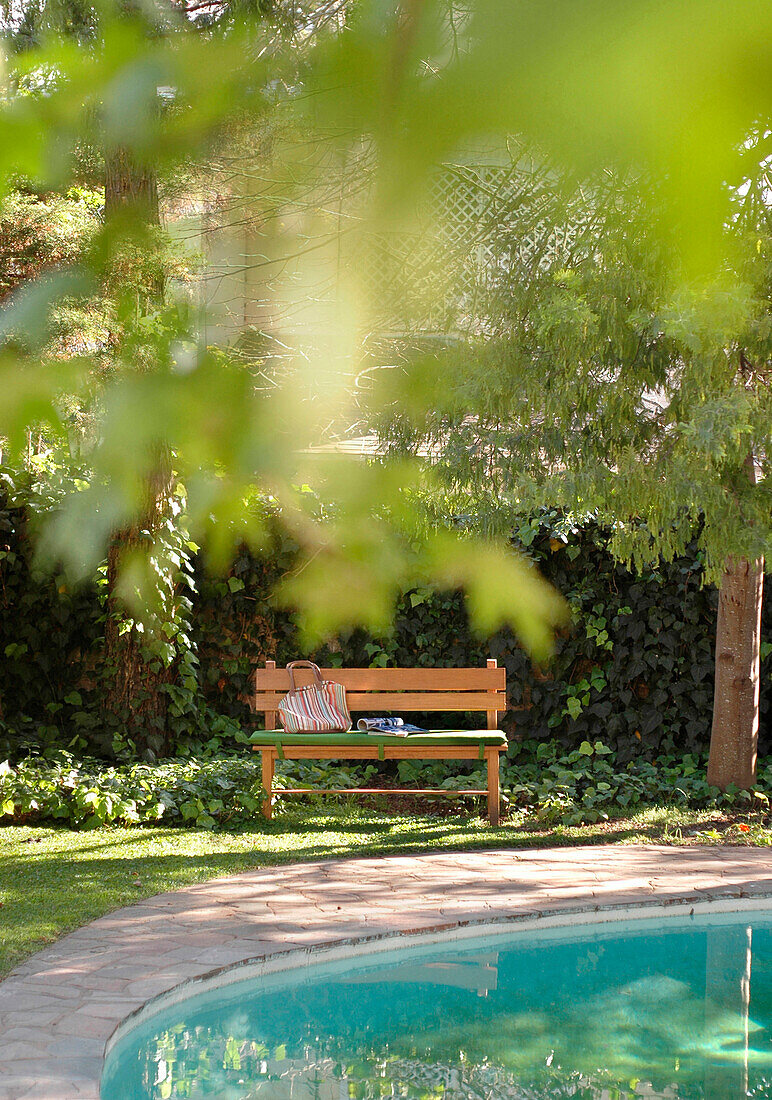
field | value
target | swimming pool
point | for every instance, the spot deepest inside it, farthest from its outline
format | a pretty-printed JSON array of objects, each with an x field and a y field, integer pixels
[{"x": 671, "y": 1008}]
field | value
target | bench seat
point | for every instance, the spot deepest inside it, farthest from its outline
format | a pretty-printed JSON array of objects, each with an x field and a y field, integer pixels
[
  {"x": 432, "y": 738},
  {"x": 389, "y": 691}
]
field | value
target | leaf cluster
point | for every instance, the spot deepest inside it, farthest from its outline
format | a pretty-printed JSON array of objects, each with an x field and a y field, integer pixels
[
  {"x": 593, "y": 377},
  {"x": 84, "y": 794}
]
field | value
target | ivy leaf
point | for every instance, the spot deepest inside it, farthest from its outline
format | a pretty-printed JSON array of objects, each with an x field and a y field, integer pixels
[{"x": 574, "y": 707}]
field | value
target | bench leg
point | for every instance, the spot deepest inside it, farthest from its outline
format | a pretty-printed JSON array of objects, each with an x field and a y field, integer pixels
[
  {"x": 268, "y": 759},
  {"x": 493, "y": 787}
]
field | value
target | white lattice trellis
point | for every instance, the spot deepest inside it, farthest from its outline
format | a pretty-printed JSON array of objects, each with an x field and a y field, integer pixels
[
  {"x": 432, "y": 279},
  {"x": 477, "y": 226}
]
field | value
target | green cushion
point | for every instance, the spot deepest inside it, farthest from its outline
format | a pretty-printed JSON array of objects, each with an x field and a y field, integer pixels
[{"x": 436, "y": 738}]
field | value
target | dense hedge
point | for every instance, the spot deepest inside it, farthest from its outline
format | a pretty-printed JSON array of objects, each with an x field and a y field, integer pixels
[{"x": 634, "y": 670}]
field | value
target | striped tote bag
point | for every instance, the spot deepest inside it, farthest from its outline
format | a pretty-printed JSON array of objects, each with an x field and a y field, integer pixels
[{"x": 318, "y": 708}]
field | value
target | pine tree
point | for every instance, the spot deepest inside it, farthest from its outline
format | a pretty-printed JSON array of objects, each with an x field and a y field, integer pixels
[{"x": 589, "y": 377}]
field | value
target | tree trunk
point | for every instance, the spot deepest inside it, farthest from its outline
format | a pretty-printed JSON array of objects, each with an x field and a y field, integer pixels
[
  {"x": 734, "y": 736},
  {"x": 134, "y": 703},
  {"x": 130, "y": 188}
]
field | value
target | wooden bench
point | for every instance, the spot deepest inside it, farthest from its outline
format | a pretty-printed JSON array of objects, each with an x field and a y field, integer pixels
[{"x": 381, "y": 691}]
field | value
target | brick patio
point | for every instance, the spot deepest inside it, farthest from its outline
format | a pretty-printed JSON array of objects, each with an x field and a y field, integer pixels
[{"x": 58, "y": 1009}]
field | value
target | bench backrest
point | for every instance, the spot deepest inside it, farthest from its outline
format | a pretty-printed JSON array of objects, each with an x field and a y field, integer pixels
[{"x": 395, "y": 689}]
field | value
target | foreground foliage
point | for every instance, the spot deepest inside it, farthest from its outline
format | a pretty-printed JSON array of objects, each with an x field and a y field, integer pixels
[{"x": 403, "y": 80}]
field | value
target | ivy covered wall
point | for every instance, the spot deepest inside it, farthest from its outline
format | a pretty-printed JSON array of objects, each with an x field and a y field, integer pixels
[{"x": 635, "y": 669}]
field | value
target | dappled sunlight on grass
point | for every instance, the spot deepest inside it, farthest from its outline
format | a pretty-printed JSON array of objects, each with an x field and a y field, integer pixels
[{"x": 53, "y": 880}]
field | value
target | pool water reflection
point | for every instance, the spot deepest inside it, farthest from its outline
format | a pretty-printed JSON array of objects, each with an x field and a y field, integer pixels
[{"x": 652, "y": 1008}]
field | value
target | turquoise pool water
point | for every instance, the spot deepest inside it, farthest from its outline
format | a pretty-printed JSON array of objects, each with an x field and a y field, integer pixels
[{"x": 655, "y": 1008}]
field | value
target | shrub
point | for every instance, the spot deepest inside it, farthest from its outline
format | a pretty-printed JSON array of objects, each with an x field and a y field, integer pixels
[
  {"x": 88, "y": 794},
  {"x": 591, "y": 784},
  {"x": 546, "y": 784},
  {"x": 85, "y": 794}
]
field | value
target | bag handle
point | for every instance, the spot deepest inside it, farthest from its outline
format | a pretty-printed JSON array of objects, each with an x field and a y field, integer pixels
[{"x": 303, "y": 664}]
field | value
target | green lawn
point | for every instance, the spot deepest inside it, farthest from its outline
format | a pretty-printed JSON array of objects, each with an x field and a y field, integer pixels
[{"x": 53, "y": 880}]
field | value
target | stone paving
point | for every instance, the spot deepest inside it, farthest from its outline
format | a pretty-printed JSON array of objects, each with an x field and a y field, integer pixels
[{"x": 58, "y": 1009}]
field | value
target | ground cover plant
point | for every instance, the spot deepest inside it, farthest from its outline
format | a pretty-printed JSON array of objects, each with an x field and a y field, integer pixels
[{"x": 541, "y": 783}]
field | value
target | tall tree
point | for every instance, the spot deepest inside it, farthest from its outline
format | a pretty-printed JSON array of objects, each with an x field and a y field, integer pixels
[
  {"x": 394, "y": 78},
  {"x": 134, "y": 698},
  {"x": 135, "y": 671},
  {"x": 138, "y": 668},
  {"x": 591, "y": 378}
]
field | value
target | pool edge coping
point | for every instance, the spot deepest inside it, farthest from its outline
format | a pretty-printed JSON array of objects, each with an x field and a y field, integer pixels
[
  {"x": 53, "y": 1007},
  {"x": 298, "y": 958}
]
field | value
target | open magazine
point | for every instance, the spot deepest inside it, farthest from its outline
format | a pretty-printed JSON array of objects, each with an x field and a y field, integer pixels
[{"x": 394, "y": 726}]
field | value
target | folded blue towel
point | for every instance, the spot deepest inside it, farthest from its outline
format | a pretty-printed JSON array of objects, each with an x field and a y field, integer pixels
[{"x": 387, "y": 725}]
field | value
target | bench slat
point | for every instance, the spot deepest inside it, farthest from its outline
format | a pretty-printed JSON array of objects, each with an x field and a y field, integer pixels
[
  {"x": 422, "y": 701},
  {"x": 390, "y": 679},
  {"x": 375, "y": 790}
]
